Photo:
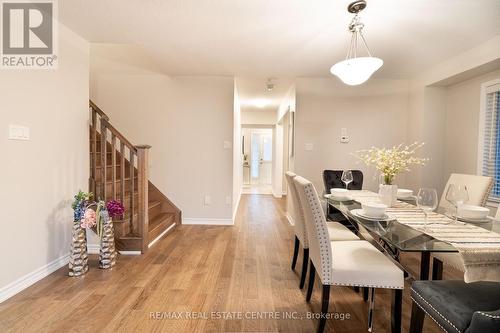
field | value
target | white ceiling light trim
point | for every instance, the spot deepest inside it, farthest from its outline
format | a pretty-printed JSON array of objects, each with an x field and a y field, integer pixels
[{"x": 356, "y": 70}]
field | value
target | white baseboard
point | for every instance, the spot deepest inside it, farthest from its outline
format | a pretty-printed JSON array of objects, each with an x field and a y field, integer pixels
[
  {"x": 130, "y": 253},
  {"x": 27, "y": 280},
  {"x": 235, "y": 209},
  {"x": 279, "y": 195},
  {"x": 207, "y": 221},
  {"x": 290, "y": 219},
  {"x": 160, "y": 236}
]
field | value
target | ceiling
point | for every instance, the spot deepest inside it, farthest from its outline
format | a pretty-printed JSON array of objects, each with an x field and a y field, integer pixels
[
  {"x": 253, "y": 96},
  {"x": 283, "y": 38}
]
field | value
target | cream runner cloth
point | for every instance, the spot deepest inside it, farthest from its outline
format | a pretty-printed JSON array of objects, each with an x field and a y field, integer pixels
[{"x": 479, "y": 248}]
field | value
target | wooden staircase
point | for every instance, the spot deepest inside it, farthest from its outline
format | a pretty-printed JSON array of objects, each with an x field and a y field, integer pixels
[{"x": 119, "y": 170}]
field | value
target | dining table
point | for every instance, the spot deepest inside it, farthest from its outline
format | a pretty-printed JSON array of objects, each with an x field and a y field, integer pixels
[{"x": 394, "y": 236}]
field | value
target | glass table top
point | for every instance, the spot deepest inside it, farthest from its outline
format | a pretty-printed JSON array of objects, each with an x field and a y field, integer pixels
[{"x": 400, "y": 236}]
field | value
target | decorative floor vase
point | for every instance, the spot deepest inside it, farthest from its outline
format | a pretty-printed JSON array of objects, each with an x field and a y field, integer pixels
[
  {"x": 388, "y": 194},
  {"x": 107, "y": 253},
  {"x": 78, "y": 256}
]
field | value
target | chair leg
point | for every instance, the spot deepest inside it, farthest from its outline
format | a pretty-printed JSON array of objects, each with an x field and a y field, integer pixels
[
  {"x": 295, "y": 253},
  {"x": 417, "y": 319},
  {"x": 370, "y": 308},
  {"x": 437, "y": 269},
  {"x": 304, "y": 268},
  {"x": 365, "y": 294},
  {"x": 325, "y": 301},
  {"x": 312, "y": 273},
  {"x": 397, "y": 309}
]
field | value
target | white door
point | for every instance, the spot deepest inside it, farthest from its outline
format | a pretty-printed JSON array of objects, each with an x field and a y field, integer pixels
[{"x": 261, "y": 157}]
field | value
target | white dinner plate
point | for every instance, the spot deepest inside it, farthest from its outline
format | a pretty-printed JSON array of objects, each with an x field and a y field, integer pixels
[
  {"x": 407, "y": 198},
  {"x": 361, "y": 213},
  {"x": 463, "y": 219},
  {"x": 337, "y": 198}
]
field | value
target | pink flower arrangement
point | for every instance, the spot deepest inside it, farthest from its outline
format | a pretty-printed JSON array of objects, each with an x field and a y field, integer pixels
[{"x": 89, "y": 219}]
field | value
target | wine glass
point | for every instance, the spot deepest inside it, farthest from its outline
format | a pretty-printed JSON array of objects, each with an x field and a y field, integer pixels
[
  {"x": 346, "y": 177},
  {"x": 457, "y": 195},
  {"x": 427, "y": 201}
]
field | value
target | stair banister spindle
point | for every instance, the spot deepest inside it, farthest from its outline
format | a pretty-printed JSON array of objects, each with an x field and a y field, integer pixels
[
  {"x": 122, "y": 172},
  {"x": 113, "y": 163},
  {"x": 142, "y": 182},
  {"x": 133, "y": 227},
  {"x": 93, "y": 161},
  {"x": 104, "y": 141}
]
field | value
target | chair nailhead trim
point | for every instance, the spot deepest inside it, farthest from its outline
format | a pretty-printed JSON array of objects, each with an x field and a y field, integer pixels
[
  {"x": 449, "y": 322},
  {"x": 365, "y": 285},
  {"x": 428, "y": 314},
  {"x": 487, "y": 315}
]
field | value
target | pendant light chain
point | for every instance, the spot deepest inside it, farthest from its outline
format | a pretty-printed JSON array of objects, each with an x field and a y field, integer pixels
[
  {"x": 353, "y": 70},
  {"x": 356, "y": 29}
]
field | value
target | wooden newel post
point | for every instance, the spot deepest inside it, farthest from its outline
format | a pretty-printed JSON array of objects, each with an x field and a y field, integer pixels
[{"x": 143, "y": 189}]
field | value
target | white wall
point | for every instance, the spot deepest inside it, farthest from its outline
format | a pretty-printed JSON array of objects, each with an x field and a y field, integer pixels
[
  {"x": 186, "y": 121},
  {"x": 375, "y": 114},
  {"x": 40, "y": 176},
  {"x": 258, "y": 117},
  {"x": 462, "y": 124},
  {"x": 426, "y": 123},
  {"x": 444, "y": 105},
  {"x": 237, "y": 154}
]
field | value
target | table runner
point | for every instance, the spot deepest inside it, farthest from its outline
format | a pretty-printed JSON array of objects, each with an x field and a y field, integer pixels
[{"x": 479, "y": 248}]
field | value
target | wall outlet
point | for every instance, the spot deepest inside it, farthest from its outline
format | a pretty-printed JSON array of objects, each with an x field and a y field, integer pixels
[
  {"x": 229, "y": 200},
  {"x": 344, "y": 139},
  {"x": 17, "y": 132},
  {"x": 208, "y": 200},
  {"x": 227, "y": 144}
]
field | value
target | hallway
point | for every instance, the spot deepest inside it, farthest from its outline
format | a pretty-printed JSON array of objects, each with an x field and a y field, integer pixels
[{"x": 220, "y": 276}]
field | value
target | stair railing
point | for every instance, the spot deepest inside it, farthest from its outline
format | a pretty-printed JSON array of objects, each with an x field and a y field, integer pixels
[{"x": 136, "y": 156}]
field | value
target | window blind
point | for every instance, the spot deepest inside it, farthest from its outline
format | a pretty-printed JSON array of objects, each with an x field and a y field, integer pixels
[{"x": 491, "y": 144}]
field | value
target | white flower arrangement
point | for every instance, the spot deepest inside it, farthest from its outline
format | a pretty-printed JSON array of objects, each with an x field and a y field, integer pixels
[{"x": 391, "y": 162}]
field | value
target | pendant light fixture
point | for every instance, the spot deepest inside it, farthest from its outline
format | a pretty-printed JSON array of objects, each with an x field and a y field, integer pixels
[{"x": 356, "y": 70}]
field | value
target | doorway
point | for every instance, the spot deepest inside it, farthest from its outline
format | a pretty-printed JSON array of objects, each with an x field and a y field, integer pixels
[{"x": 257, "y": 160}]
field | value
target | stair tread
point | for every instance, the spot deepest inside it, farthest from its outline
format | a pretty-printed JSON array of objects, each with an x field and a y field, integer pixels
[
  {"x": 151, "y": 204},
  {"x": 131, "y": 236},
  {"x": 158, "y": 220}
]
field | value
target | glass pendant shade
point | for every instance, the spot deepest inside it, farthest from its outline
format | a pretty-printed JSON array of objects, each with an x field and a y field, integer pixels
[{"x": 355, "y": 71}]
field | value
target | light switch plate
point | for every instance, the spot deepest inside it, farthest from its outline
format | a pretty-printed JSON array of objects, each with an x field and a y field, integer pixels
[
  {"x": 227, "y": 145},
  {"x": 208, "y": 200},
  {"x": 344, "y": 138},
  {"x": 309, "y": 146},
  {"x": 17, "y": 132}
]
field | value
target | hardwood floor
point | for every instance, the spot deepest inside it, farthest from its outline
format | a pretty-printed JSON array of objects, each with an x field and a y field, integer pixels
[{"x": 203, "y": 271}]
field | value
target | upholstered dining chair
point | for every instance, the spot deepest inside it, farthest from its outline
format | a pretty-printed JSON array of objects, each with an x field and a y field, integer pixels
[
  {"x": 332, "y": 179},
  {"x": 456, "y": 306},
  {"x": 479, "y": 188},
  {"x": 345, "y": 263},
  {"x": 336, "y": 231}
]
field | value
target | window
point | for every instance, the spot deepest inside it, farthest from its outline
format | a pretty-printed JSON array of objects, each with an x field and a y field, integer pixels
[{"x": 490, "y": 135}]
